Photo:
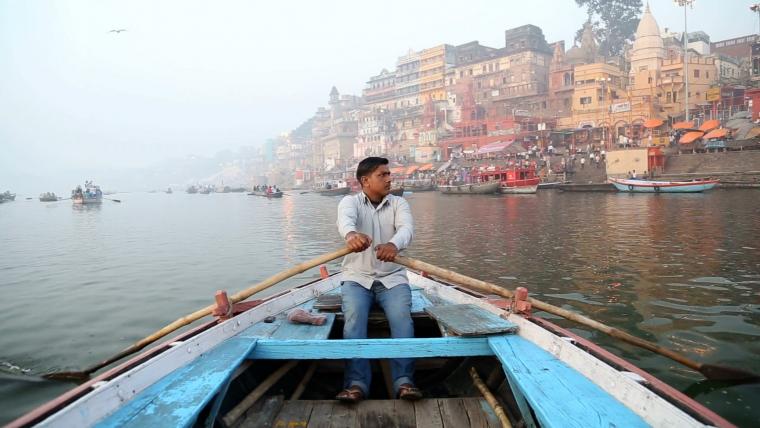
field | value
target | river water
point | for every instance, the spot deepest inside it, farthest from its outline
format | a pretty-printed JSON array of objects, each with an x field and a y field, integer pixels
[{"x": 79, "y": 284}]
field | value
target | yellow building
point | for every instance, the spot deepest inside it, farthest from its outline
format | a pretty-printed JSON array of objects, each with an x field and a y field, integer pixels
[{"x": 432, "y": 71}]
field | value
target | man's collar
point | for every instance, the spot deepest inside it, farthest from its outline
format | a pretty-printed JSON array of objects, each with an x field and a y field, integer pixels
[{"x": 366, "y": 199}]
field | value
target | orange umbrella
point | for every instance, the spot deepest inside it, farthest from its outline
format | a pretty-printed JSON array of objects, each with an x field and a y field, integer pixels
[
  {"x": 689, "y": 137},
  {"x": 683, "y": 125},
  {"x": 653, "y": 123},
  {"x": 709, "y": 125},
  {"x": 717, "y": 133}
]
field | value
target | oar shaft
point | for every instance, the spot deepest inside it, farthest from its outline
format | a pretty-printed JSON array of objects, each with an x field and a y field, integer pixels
[
  {"x": 237, "y": 297},
  {"x": 487, "y": 287}
]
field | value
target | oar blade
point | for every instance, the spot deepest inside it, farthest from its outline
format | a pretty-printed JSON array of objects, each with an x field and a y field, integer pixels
[
  {"x": 77, "y": 377},
  {"x": 715, "y": 372}
]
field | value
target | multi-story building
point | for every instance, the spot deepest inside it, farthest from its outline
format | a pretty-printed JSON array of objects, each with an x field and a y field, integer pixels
[
  {"x": 507, "y": 81},
  {"x": 433, "y": 64},
  {"x": 380, "y": 92}
]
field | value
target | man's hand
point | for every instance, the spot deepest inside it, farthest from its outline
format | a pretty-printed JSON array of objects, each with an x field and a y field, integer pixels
[
  {"x": 358, "y": 242},
  {"x": 386, "y": 252}
]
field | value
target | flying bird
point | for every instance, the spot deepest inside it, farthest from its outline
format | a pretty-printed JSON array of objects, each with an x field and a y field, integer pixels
[{"x": 117, "y": 31}]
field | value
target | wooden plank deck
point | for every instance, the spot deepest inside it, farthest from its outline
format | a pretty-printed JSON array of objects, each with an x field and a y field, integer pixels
[
  {"x": 469, "y": 320},
  {"x": 428, "y": 413}
]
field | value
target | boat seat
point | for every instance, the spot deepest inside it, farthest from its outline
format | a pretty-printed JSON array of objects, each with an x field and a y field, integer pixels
[
  {"x": 331, "y": 302},
  {"x": 558, "y": 395},
  {"x": 281, "y": 328},
  {"x": 469, "y": 320},
  {"x": 178, "y": 398}
]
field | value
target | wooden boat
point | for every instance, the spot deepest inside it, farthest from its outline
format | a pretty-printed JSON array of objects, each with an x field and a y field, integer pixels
[
  {"x": 333, "y": 191},
  {"x": 417, "y": 185},
  {"x": 652, "y": 186},
  {"x": 586, "y": 187},
  {"x": 259, "y": 369},
  {"x": 7, "y": 196},
  {"x": 277, "y": 194},
  {"x": 91, "y": 194},
  {"x": 169, "y": 191},
  {"x": 48, "y": 197},
  {"x": 192, "y": 189},
  {"x": 470, "y": 189},
  {"x": 397, "y": 191},
  {"x": 520, "y": 180}
]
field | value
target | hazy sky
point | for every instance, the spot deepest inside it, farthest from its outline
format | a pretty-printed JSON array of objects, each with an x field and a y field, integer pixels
[{"x": 201, "y": 76}]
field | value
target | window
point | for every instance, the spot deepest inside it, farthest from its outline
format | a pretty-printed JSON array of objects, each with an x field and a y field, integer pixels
[
  {"x": 649, "y": 80},
  {"x": 696, "y": 73},
  {"x": 668, "y": 97},
  {"x": 585, "y": 100},
  {"x": 707, "y": 74}
]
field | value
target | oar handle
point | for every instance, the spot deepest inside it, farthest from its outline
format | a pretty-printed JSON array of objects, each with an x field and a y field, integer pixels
[
  {"x": 240, "y": 296},
  {"x": 487, "y": 287}
]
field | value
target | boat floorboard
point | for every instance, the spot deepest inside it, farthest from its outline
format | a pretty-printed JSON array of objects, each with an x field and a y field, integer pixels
[{"x": 427, "y": 413}]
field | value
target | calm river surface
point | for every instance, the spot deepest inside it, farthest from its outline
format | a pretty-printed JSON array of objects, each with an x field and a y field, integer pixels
[{"x": 80, "y": 284}]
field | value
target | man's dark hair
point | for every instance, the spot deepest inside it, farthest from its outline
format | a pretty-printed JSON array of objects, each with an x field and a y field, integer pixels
[{"x": 368, "y": 165}]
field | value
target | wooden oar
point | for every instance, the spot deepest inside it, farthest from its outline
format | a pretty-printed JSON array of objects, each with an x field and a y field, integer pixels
[
  {"x": 710, "y": 371},
  {"x": 187, "y": 319}
]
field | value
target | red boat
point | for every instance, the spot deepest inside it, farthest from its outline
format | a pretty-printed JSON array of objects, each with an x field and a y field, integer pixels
[{"x": 513, "y": 179}]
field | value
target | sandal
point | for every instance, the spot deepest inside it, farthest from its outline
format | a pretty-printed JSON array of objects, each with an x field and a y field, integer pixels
[
  {"x": 352, "y": 394},
  {"x": 409, "y": 392}
]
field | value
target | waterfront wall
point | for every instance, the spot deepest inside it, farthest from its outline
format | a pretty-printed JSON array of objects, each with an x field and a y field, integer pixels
[{"x": 729, "y": 167}]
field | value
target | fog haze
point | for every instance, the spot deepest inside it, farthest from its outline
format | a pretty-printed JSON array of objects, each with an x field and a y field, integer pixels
[{"x": 190, "y": 78}]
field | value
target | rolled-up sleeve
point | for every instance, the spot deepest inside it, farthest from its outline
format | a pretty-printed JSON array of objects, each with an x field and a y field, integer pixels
[
  {"x": 404, "y": 225},
  {"x": 347, "y": 216}
]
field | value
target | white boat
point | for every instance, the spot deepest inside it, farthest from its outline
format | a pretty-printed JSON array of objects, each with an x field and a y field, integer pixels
[
  {"x": 653, "y": 186},
  {"x": 256, "y": 368}
]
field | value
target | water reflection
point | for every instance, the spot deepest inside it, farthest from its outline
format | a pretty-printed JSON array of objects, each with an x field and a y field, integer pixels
[{"x": 680, "y": 270}]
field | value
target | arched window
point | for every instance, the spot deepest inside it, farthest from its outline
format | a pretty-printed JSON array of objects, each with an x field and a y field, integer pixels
[{"x": 568, "y": 81}]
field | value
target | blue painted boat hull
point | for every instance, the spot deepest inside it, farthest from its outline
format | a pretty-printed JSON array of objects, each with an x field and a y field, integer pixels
[{"x": 650, "y": 186}]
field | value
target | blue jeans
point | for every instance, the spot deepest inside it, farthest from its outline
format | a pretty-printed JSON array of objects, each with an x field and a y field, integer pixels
[{"x": 397, "y": 304}]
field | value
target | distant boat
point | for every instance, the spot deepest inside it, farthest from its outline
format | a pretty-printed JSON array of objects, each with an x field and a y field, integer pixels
[
  {"x": 7, "y": 196},
  {"x": 48, "y": 197},
  {"x": 205, "y": 190},
  {"x": 651, "y": 186},
  {"x": 397, "y": 191},
  {"x": 277, "y": 194},
  {"x": 192, "y": 189},
  {"x": 91, "y": 194},
  {"x": 332, "y": 188},
  {"x": 169, "y": 191}
]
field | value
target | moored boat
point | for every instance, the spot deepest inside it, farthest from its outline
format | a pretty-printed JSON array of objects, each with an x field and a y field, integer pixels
[
  {"x": 653, "y": 186},
  {"x": 254, "y": 367},
  {"x": 470, "y": 189},
  {"x": 169, "y": 191},
  {"x": 519, "y": 180},
  {"x": 91, "y": 194},
  {"x": 397, "y": 191},
  {"x": 48, "y": 197},
  {"x": 192, "y": 189}
]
